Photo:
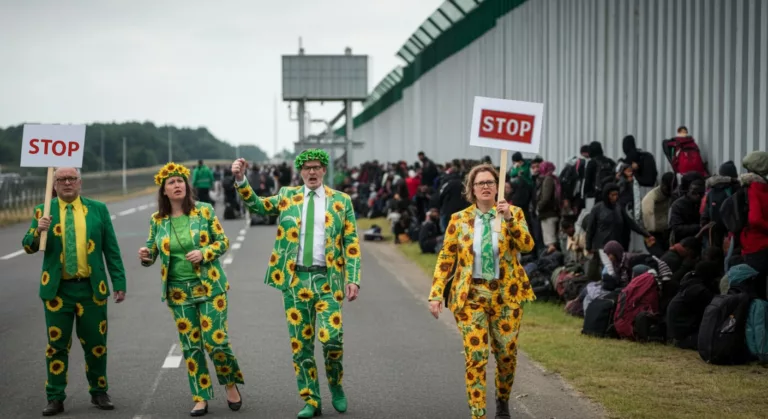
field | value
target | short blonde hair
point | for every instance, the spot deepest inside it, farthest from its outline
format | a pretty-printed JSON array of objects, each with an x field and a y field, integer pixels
[{"x": 469, "y": 180}]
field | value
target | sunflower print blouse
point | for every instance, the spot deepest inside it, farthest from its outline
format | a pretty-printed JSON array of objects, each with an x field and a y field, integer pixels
[
  {"x": 208, "y": 237},
  {"x": 457, "y": 252}
]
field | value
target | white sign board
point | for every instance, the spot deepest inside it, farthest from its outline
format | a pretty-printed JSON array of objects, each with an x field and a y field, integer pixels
[
  {"x": 507, "y": 124},
  {"x": 52, "y": 146}
]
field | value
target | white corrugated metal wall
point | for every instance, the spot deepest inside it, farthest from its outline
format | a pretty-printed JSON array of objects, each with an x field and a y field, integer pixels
[{"x": 603, "y": 69}]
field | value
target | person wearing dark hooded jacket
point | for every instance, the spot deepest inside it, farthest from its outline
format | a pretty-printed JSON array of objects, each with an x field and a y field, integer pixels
[
  {"x": 754, "y": 236},
  {"x": 685, "y": 311},
  {"x": 684, "y": 216},
  {"x": 719, "y": 187},
  {"x": 597, "y": 173},
  {"x": 642, "y": 162}
]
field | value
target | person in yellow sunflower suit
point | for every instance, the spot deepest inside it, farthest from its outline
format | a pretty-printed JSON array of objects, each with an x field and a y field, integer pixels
[
  {"x": 189, "y": 239},
  {"x": 486, "y": 291},
  {"x": 315, "y": 262}
]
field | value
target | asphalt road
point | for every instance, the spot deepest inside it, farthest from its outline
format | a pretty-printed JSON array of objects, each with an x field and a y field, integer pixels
[{"x": 399, "y": 361}]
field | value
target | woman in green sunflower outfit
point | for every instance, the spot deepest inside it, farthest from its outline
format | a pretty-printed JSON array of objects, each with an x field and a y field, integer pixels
[{"x": 189, "y": 239}]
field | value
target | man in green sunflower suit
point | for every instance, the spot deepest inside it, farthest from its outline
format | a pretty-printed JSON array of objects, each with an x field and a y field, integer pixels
[
  {"x": 315, "y": 263},
  {"x": 73, "y": 285}
]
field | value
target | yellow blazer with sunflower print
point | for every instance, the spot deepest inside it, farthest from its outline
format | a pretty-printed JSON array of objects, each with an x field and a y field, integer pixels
[
  {"x": 101, "y": 240},
  {"x": 342, "y": 249},
  {"x": 208, "y": 237},
  {"x": 458, "y": 251}
]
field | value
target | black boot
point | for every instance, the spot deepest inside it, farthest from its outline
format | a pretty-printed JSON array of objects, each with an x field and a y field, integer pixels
[
  {"x": 502, "y": 409},
  {"x": 102, "y": 401},
  {"x": 54, "y": 408}
]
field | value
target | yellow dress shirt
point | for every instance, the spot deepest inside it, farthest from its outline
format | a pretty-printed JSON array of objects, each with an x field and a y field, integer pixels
[{"x": 80, "y": 232}]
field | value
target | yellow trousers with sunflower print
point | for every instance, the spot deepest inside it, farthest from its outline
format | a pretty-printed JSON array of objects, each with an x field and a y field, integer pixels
[
  {"x": 202, "y": 325},
  {"x": 486, "y": 318},
  {"x": 312, "y": 303},
  {"x": 76, "y": 301}
]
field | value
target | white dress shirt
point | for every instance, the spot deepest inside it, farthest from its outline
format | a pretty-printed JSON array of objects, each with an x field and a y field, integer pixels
[
  {"x": 318, "y": 243},
  {"x": 477, "y": 246}
]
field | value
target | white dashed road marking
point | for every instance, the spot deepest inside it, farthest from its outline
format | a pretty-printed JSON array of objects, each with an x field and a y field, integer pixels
[
  {"x": 172, "y": 360},
  {"x": 126, "y": 212},
  {"x": 12, "y": 255},
  {"x": 236, "y": 246}
]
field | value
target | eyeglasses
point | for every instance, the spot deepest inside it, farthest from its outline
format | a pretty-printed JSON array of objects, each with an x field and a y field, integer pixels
[
  {"x": 486, "y": 184},
  {"x": 64, "y": 180},
  {"x": 312, "y": 168}
]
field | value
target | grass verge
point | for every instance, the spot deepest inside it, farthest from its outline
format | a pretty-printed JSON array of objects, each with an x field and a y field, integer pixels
[
  {"x": 17, "y": 215},
  {"x": 629, "y": 379}
]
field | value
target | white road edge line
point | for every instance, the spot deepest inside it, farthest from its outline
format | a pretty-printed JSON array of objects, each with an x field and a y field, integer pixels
[
  {"x": 228, "y": 260},
  {"x": 112, "y": 217},
  {"x": 236, "y": 246},
  {"x": 143, "y": 207},
  {"x": 242, "y": 232},
  {"x": 172, "y": 361},
  {"x": 126, "y": 212},
  {"x": 240, "y": 238},
  {"x": 12, "y": 255}
]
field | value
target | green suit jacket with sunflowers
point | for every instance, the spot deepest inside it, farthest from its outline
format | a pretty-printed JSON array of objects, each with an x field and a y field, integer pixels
[
  {"x": 342, "y": 249},
  {"x": 458, "y": 253},
  {"x": 208, "y": 237},
  {"x": 101, "y": 239}
]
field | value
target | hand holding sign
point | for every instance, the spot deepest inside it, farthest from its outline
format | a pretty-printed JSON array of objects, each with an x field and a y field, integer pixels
[
  {"x": 52, "y": 146},
  {"x": 506, "y": 125}
]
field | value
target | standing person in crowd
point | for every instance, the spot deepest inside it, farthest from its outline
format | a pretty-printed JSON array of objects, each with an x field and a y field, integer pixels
[
  {"x": 202, "y": 180},
  {"x": 684, "y": 215},
  {"x": 629, "y": 201},
  {"x": 754, "y": 236},
  {"x": 451, "y": 198},
  {"x": 523, "y": 187},
  {"x": 189, "y": 239},
  {"x": 428, "y": 170},
  {"x": 655, "y": 212},
  {"x": 600, "y": 170},
  {"x": 73, "y": 285},
  {"x": 315, "y": 263},
  {"x": 642, "y": 162},
  {"x": 719, "y": 188},
  {"x": 607, "y": 222},
  {"x": 548, "y": 203},
  {"x": 488, "y": 288}
]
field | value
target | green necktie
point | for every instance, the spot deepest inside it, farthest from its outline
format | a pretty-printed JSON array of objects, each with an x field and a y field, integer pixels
[
  {"x": 486, "y": 245},
  {"x": 309, "y": 230},
  {"x": 70, "y": 242}
]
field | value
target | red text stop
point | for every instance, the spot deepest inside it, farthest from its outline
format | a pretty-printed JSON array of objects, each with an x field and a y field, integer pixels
[
  {"x": 506, "y": 126},
  {"x": 54, "y": 147}
]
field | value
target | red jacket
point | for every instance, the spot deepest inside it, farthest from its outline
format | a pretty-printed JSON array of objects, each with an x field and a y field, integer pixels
[
  {"x": 754, "y": 237},
  {"x": 412, "y": 183}
]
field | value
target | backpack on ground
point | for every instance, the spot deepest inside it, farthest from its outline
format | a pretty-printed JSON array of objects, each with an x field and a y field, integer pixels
[
  {"x": 684, "y": 155},
  {"x": 649, "y": 327},
  {"x": 569, "y": 281},
  {"x": 757, "y": 334},
  {"x": 642, "y": 294},
  {"x": 575, "y": 308},
  {"x": 686, "y": 310},
  {"x": 734, "y": 211},
  {"x": 598, "y": 317},
  {"x": 723, "y": 329}
]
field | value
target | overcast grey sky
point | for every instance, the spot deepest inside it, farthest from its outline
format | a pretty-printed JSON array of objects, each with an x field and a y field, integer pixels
[{"x": 189, "y": 63}]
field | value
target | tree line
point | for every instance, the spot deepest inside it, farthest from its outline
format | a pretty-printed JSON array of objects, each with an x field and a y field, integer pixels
[{"x": 146, "y": 145}]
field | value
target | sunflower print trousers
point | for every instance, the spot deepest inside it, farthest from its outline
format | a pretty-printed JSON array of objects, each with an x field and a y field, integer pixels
[
  {"x": 484, "y": 318},
  {"x": 310, "y": 301},
  {"x": 202, "y": 325},
  {"x": 76, "y": 301}
]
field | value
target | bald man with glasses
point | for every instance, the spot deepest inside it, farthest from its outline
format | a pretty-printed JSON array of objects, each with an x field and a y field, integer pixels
[{"x": 73, "y": 285}]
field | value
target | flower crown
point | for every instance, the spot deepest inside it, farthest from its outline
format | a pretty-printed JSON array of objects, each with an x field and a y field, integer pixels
[
  {"x": 171, "y": 169},
  {"x": 309, "y": 155}
]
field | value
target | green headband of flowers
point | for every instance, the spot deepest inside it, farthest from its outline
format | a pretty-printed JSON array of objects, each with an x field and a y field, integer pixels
[{"x": 310, "y": 155}]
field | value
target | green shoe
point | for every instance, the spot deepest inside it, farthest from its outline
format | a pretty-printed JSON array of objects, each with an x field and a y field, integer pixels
[
  {"x": 339, "y": 399},
  {"x": 309, "y": 411}
]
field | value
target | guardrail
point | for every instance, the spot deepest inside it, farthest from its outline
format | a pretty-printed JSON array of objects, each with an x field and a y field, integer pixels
[{"x": 19, "y": 192}]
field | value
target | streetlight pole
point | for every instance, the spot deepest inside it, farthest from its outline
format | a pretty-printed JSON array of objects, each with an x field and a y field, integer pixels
[
  {"x": 170, "y": 152},
  {"x": 125, "y": 167},
  {"x": 103, "y": 167}
]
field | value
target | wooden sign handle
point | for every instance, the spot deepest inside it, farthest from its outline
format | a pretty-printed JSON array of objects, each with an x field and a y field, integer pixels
[
  {"x": 502, "y": 183},
  {"x": 47, "y": 207}
]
